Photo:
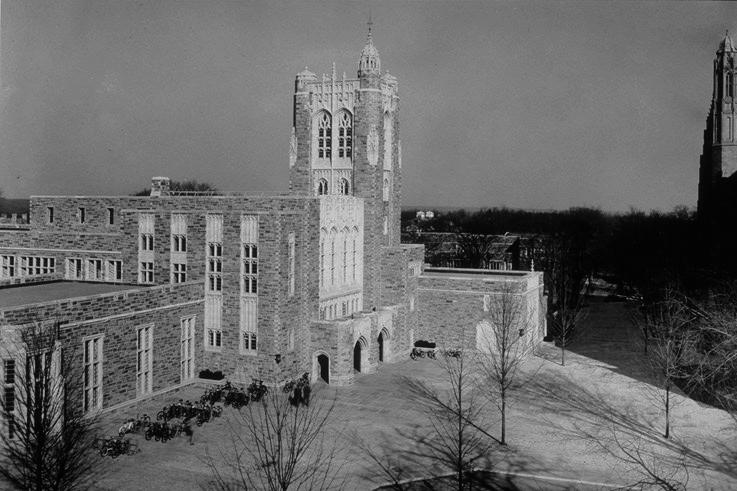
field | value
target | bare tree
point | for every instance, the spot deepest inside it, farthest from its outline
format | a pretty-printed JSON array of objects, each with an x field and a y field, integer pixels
[
  {"x": 277, "y": 445},
  {"x": 456, "y": 441},
  {"x": 47, "y": 441},
  {"x": 567, "y": 271},
  {"x": 503, "y": 348},
  {"x": 474, "y": 248},
  {"x": 669, "y": 331}
]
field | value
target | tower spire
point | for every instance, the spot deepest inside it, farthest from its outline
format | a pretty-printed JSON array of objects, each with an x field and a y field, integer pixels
[
  {"x": 369, "y": 62},
  {"x": 370, "y": 25}
]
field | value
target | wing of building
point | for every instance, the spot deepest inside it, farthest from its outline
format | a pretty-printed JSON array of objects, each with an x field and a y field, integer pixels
[{"x": 149, "y": 291}]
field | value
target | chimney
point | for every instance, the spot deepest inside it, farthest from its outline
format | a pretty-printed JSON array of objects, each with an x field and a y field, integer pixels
[{"x": 159, "y": 186}]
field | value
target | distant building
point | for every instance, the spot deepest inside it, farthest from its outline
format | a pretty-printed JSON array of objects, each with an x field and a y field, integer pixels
[
  {"x": 717, "y": 194},
  {"x": 149, "y": 290},
  {"x": 425, "y": 215}
]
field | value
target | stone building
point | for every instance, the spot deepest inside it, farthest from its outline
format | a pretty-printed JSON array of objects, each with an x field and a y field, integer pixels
[
  {"x": 154, "y": 289},
  {"x": 717, "y": 193}
]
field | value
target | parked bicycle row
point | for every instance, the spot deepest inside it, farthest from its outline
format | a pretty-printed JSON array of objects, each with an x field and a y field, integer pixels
[
  {"x": 232, "y": 395},
  {"x": 114, "y": 446}
]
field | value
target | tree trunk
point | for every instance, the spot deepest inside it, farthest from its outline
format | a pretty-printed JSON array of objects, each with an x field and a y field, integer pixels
[
  {"x": 563, "y": 353},
  {"x": 504, "y": 418},
  {"x": 667, "y": 410}
]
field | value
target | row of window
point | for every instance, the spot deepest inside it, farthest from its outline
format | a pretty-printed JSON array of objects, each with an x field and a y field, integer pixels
[
  {"x": 92, "y": 269},
  {"x": 23, "y": 266},
  {"x": 336, "y": 309},
  {"x": 81, "y": 215},
  {"x": 344, "y": 187},
  {"x": 339, "y": 260},
  {"x": 324, "y": 136}
]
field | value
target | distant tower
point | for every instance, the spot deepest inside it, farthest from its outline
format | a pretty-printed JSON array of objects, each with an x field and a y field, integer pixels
[
  {"x": 717, "y": 200},
  {"x": 345, "y": 140}
]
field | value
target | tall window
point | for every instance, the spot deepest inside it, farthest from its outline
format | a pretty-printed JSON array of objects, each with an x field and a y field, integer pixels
[
  {"x": 9, "y": 395},
  {"x": 353, "y": 260},
  {"x": 344, "y": 187},
  {"x": 322, "y": 258},
  {"x": 388, "y": 141},
  {"x": 386, "y": 189},
  {"x": 144, "y": 360},
  {"x": 178, "y": 232},
  {"x": 324, "y": 136},
  {"x": 49, "y": 214},
  {"x": 81, "y": 215},
  {"x": 7, "y": 266},
  {"x": 292, "y": 251},
  {"x": 249, "y": 270},
  {"x": 146, "y": 248},
  {"x": 345, "y": 135},
  {"x": 322, "y": 187},
  {"x": 214, "y": 252},
  {"x": 730, "y": 84},
  {"x": 345, "y": 257},
  {"x": 213, "y": 321},
  {"x": 111, "y": 216},
  {"x": 74, "y": 269},
  {"x": 332, "y": 257},
  {"x": 92, "y": 383},
  {"x": 187, "y": 348}
]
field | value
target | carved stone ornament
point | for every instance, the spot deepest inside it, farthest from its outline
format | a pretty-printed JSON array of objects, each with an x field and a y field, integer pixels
[
  {"x": 372, "y": 146},
  {"x": 292, "y": 148}
]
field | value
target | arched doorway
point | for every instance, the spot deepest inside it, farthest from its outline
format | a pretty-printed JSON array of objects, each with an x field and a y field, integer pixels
[
  {"x": 357, "y": 356},
  {"x": 323, "y": 364},
  {"x": 383, "y": 345}
]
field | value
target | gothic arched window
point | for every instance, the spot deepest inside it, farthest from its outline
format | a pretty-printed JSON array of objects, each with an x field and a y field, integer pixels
[
  {"x": 324, "y": 136},
  {"x": 322, "y": 186},
  {"x": 386, "y": 189},
  {"x": 343, "y": 186},
  {"x": 388, "y": 137},
  {"x": 345, "y": 135}
]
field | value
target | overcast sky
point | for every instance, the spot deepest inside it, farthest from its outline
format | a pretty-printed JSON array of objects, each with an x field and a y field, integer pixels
[{"x": 524, "y": 104}]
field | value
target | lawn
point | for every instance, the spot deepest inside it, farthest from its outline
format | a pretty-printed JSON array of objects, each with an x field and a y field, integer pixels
[{"x": 557, "y": 429}]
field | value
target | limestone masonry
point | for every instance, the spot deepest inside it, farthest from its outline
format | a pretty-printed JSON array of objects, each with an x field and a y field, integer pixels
[{"x": 314, "y": 281}]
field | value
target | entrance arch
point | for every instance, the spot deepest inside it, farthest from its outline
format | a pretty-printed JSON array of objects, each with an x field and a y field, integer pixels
[
  {"x": 383, "y": 345},
  {"x": 323, "y": 366},
  {"x": 358, "y": 353}
]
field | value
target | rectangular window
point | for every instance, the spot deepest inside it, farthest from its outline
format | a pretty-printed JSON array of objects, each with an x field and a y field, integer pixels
[
  {"x": 292, "y": 250},
  {"x": 178, "y": 232},
  {"x": 35, "y": 266},
  {"x": 213, "y": 322},
  {"x": 249, "y": 324},
  {"x": 114, "y": 270},
  {"x": 147, "y": 242},
  {"x": 144, "y": 360},
  {"x": 7, "y": 266},
  {"x": 178, "y": 273},
  {"x": 74, "y": 269},
  {"x": 111, "y": 216},
  {"x": 9, "y": 395},
  {"x": 146, "y": 272},
  {"x": 249, "y": 269},
  {"x": 187, "y": 348},
  {"x": 94, "y": 270},
  {"x": 214, "y": 252},
  {"x": 81, "y": 215},
  {"x": 92, "y": 380},
  {"x": 179, "y": 243},
  {"x": 50, "y": 214}
]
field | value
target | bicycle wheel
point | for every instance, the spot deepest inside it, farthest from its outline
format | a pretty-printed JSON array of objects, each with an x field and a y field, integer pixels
[
  {"x": 160, "y": 415},
  {"x": 104, "y": 451}
]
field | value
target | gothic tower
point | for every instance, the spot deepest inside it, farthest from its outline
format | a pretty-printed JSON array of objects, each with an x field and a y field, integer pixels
[
  {"x": 717, "y": 197},
  {"x": 345, "y": 141}
]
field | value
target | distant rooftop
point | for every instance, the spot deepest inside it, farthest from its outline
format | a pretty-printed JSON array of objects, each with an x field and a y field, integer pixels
[{"x": 59, "y": 290}]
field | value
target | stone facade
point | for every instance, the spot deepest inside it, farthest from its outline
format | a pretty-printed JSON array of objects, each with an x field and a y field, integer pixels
[{"x": 316, "y": 281}]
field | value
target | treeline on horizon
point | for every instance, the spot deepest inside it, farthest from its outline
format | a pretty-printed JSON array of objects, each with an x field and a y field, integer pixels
[{"x": 639, "y": 251}]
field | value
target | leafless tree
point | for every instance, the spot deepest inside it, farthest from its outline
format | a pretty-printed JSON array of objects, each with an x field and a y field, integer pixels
[
  {"x": 668, "y": 327},
  {"x": 277, "y": 445},
  {"x": 567, "y": 274},
  {"x": 504, "y": 347},
  {"x": 47, "y": 441},
  {"x": 456, "y": 440},
  {"x": 474, "y": 248}
]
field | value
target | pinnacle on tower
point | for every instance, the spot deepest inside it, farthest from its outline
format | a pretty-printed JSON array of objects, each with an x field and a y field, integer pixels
[
  {"x": 369, "y": 62},
  {"x": 727, "y": 45}
]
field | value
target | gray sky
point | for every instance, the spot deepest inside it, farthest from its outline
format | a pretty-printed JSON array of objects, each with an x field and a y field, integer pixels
[{"x": 523, "y": 104}]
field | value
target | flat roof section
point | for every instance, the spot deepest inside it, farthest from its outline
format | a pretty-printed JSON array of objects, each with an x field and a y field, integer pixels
[
  {"x": 59, "y": 290},
  {"x": 473, "y": 273}
]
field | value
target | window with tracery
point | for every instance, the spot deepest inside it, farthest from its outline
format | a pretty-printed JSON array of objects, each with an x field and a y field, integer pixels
[
  {"x": 344, "y": 187},
  {"x": 324, "y": 136},
  {"x": 322, "y": 187},
  {"x": 345, "y": 135}
]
